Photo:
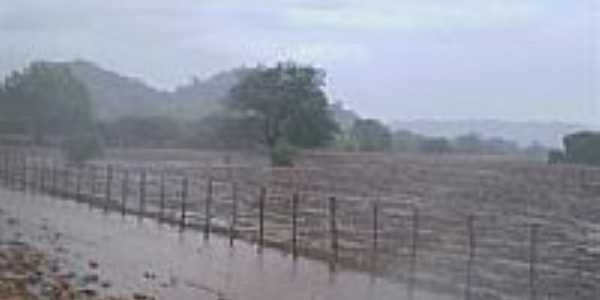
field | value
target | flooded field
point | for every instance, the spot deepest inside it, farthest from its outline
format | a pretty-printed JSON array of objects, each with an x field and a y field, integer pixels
[{"x": 130, "y": 254}]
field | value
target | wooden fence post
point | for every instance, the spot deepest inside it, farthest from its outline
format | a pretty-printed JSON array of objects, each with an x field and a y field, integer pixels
[
  {"x": 333, "y": 228},
  {"x": 54, "y": 175},
  {"x": 24, "y": 179},
  {"x": 471, "y": 233},
  {"x": 142, "y": 199},
  {"x": 208, "y": 209},
  {"x": 295, "y": 225},
  {"x": 414, "y": 253},
  {"x": 184, "y": 195},
  {"x": 261, "y": 215},
  {"x": 78, "y": 182},
  {"x": 534, "y": 228},
  {"x": 67, "y": 181},
  {"x": 42, "y": 175},
  {"x": 124, "y": 192},
  {"x": 234, "y": 208},
  {"x": 109, "y": 176},
  {"x": 162, "y": 196},
  {"x": 5, "y": 167},
  {"x": 93, "y": 183},
  {"x": 375, "y": 226}
]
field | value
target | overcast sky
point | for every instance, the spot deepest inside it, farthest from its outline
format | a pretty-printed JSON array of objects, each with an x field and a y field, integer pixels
[{"x": 392, "y": 59}]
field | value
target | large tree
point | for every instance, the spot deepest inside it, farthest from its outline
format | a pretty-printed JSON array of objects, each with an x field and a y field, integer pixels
[
  {"x": 48, "y": 100},
  {"x": 288, "y": 103}
]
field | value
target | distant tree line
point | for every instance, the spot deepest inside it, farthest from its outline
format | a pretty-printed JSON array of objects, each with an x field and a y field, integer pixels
[
  {"x": 46, "y": 105},
  {"x": 373, "y": 135},
  {"x": 279, "y": 109}
]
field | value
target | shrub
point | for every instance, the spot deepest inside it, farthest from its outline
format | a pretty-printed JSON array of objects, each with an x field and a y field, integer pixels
[
  {"x": 82, "y": 147},
  {"x": 283, "y": 154}
]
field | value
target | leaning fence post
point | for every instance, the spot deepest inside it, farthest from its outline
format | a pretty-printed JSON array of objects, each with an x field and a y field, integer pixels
[
  {"x": 207, "y": 209},
  {"x": 124, "y": 192},
  {"x": 109, "y": 175},
  {"x": 471, "y": 233},
  {"x": 333, "y": 228},
  {"x": 295, "y": 225},
  {"x": 234, "y": 200},
  {"x": 184, "y": 194},
  {"x": 534, "y": 228},
  {"x": 142, "y": 207}
]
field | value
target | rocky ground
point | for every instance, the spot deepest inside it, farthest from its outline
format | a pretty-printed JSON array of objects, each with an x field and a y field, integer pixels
[{"x": 29, "y": 274}]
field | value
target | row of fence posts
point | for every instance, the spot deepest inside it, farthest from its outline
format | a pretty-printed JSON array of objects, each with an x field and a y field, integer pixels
[{"x": 10, "y": 176}]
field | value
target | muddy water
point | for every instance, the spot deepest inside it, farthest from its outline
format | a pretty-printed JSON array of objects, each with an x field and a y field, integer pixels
[{"x": 144, "y": 256}]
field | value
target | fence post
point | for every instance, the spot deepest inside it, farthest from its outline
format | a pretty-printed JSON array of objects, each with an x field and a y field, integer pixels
[
  {"x": 261, "y": 215},
  {"x": 78, "y": 182},
  {"x": 471, "y": 233},
  {"x": 93, "y": 183},
  {"x": 124, "y": 192},
  {"x": 67, "y": 181},
  {"x": 24, "y": 182},
  {"x": 333, "y": 228},
  {"x": 184, "y": 194},
  {"x": 109, "y": 175},
  {"x": 42, "y": 176},
  {"x": 207, "y": 209},
  {"x": 234, "y": 198},
  {"x": 295, "y": 225},
  {"x": 413, "y": 253},
  {"x": 142, "y": 207},
  {"x": 375, "y": 225},
  {"x": 162, "y": 196},
  {"x": 5, "y": 167},
  {"x": 534, "y": 228},
  {"x": 54, "y": 174}
]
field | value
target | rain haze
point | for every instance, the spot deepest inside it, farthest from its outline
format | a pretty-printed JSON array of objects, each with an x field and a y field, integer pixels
[
  {"x": 294, "y": 150},
  {"x": 394, "y": 60}
]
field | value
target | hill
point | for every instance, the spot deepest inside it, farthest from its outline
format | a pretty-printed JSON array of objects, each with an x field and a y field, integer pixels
[{"x": 115, "y": 95}]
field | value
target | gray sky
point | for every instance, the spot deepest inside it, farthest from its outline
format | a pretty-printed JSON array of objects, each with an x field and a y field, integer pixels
[{"x": 391, "y": 59}]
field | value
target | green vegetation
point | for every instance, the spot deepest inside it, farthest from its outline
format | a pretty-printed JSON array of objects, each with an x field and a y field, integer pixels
[
  {"x": 581, "y": 148},
  {"x": 282, "y": 108},
  {"x": 371, "y": 135},
  {"x": 51, "y": 104},
  {"x": 289, "y": 105}
]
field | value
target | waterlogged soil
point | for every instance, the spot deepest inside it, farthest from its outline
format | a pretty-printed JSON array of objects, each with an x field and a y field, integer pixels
[{"x": 58, "y": 249}]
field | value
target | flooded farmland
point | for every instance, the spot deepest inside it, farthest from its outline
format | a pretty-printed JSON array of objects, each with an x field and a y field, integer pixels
[{"x": 132, "y": 254}]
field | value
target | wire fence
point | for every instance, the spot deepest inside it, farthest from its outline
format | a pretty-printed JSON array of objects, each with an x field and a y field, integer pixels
[{"x": 474, "y": 256}]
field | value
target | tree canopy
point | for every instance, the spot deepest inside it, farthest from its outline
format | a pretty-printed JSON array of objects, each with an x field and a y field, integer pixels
[
  {"x": 47, "y": 100},
  {"x": 371, "y": 135},
  {"x": 288, "y": 102}
]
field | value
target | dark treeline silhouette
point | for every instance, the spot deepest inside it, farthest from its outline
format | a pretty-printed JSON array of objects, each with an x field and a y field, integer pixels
[
  {"x": 580, "y": 148},
  {"x": 278, "y": 109}
]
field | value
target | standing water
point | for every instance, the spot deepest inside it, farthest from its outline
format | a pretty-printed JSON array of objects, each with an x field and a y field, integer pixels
[{"x": 145, "y": 256}]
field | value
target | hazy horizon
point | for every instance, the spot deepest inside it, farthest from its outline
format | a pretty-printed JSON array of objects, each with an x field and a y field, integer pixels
[{"x": 511, "y": 60}]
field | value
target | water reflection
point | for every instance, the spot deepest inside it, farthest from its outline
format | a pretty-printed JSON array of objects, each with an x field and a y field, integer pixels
[{"x": 186, "y": 265}]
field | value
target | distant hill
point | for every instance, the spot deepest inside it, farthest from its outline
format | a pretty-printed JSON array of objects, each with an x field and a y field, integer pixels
[
  {"x": 525, "y": 133},
  {"x": 115, "y": 95}
]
